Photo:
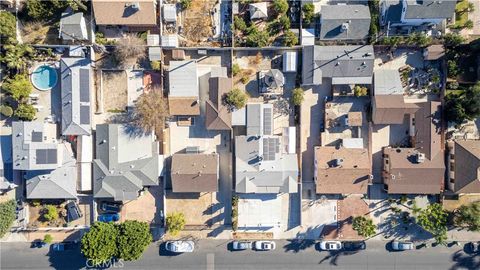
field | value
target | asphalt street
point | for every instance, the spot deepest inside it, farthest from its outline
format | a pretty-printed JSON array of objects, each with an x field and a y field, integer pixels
[{"x": 213, "y": 254}]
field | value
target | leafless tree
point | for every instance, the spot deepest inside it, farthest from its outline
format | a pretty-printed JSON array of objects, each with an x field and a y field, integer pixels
[{"x": 151, "y": 110}]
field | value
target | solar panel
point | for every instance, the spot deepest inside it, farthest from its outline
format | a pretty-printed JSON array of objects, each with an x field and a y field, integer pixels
[
  {"x": 36, "y": 136},
  {"x": 84, "y": 115},
  {"x": 267, "y": 121},
  {"x": 46, "y": 156},
  {"x": 271, "y": 146},
  {"x": 84, "y": 85}
]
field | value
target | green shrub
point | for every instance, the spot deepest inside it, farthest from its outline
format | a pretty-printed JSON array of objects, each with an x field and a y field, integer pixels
[
  {"x": 360, "y": 91},
  {"x": 297, "y": 96},
  {"x": 26, "y": 112},
  {"x": 50, "y": 213},
  {"x": 175, "y": 222},
  {"x": 7, "y": 216},
  {"x": 7, "y": 27},
  {"x": 239, "y": 24},
  {"x": 236, "y": 98},
  {"x": 290, "y": 39},
  {"x": 6, "y": 110},
  {"x": 185, "y": 4},
  {"x": 364, "y": 226},
  {"x": 280, "y": 6},
  {"x": 308, "y": 13},
  {"x": 156, "y": 65},
  {"x": 235, "y": 70},
  {"x": 47, "y": 239},
  {"x": 18, "y": 87}
]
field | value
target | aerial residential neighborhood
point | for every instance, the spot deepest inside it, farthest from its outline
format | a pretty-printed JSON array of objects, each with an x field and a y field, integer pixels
[{"x": 244, "y": 134}]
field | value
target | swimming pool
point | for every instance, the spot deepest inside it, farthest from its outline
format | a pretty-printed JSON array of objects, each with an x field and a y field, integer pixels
[{"x": 44, "y": 77}]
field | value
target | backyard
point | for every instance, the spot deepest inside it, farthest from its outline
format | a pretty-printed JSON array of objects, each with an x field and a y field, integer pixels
[{"x": 114, "y": 87}]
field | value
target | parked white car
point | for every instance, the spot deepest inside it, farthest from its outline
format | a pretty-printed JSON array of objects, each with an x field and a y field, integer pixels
[
  {"x": 264, "y": 245},
  {"x": 180, "y": 246},
  {"x": 330, "y": 245}
]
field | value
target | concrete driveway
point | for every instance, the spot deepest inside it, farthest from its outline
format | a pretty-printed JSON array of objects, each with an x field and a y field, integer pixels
[{"x": 311, "y": 117}]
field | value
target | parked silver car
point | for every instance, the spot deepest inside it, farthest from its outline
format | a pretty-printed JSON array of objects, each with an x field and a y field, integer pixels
[
  {"x": 241, "y": 245},
  {"x": 402, "y": 245},
  {"x": 330, "y": 245},
  {"x": 180, "y": 246}
]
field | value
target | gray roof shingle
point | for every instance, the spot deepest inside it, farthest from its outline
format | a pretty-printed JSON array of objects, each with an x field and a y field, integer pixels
[{"x": 347, "y": 22}]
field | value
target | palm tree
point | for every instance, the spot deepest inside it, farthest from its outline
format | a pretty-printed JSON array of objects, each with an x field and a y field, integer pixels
[{"x": 17, "y": 56}]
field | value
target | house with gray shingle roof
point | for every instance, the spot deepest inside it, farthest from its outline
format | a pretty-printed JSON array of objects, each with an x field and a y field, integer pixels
[
  {"x": 343, "y": 65},
  {"x": 76, "y": 83},
  {"x": 125, "y": 162},
  {"x": 344, "y": 22},
  {"x": 72, "y": 26},
  {"x": 49, "y": 166},
  {"x": 415, "y": 12},
  {"x": 262, "y": 164}
]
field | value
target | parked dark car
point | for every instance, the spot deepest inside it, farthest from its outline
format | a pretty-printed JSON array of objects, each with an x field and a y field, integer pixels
[
  {"x": 472, "y": 247},
  {"x": 73, "y": 211},
  {"x": 110, "y": 207},
  {"x": 241, "y": 245},
  {"x": 354, "y": 245},
  {"x": 109, "y": 217},
  {"x": 38, "y": 244}
]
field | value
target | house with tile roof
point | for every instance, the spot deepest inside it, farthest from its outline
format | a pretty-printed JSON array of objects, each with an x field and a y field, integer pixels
[
  {"x": 132, "y": 14},
  {"x": 217, "y": 114},
  {"x": 419, "y": 169},
  {"x": 125, "y": 162}
]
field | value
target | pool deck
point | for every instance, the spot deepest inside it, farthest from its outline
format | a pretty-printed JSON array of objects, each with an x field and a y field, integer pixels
[{"x": 49, "y": 101}]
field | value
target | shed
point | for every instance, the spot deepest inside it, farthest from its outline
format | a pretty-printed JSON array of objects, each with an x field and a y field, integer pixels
[
  {"x": 170, "y": 13},
  {"x": 153, "y": 40},
  {"x": 170, "y": 41},
  {"x": 289, "y": 61},
  {"x": 178, "y": 54},
  {"x": 154, "y": 53},
  {"x": 258, "y": 10},
  {"x": 308, "y": 37}
]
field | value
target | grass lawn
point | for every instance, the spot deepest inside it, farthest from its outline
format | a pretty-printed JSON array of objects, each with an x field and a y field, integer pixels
[
  {"x": 461, "y": 16},
  {"x": 455, "y": 92}
]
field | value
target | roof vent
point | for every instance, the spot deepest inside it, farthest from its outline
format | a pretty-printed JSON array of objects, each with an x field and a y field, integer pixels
[
  {"x": 135, "y": 5},
  {"x": 420, "y": 157},
  {"x": 344, "y": 27},
  {"x": 393, "y": 176},
  {"x": 20, "y": 134},
  {"x": 132, "y": 166},
  {"x": 104, "y": 141}
]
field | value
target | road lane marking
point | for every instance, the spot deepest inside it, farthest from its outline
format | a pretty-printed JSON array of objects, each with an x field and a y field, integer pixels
[{"x": 210, "y": 261}]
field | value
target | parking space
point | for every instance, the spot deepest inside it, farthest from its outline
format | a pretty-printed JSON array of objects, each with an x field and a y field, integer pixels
[{"x": 347, "y": 209}]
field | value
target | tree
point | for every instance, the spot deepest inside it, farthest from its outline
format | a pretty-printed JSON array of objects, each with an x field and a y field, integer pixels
[
  {"x": 364, "y": 226},
  {"x": 468, "y": 216},
  {"x": 290, "y": 38},
  {"x": 7, "y": 27},
  {"x": 308, "y": 13},
  {"x": 453, "y": 69},
  {"x": 50, "y": 213},
  {"x": 19, "y": 86},
  {"x": 434, "y": 220},
  {"x": 280, "y": 6},
  {"x": 471, "y": 102},
  {"x": 156, "y": 65},
  {"x": 175, "y": 222},
  {"x": 419, "y": 39},
  {"x": 468, "y": 24},
  {"x": 236, "y": 98},
  {"x": 25, "y": 112},
  {"x": 360, "y": 91},
  {"x": 18, "y": 56},
  {"x": 235, "y": 69},
  {"x": 186, "y": 4},
  {"x": 7, "y": 111},
  {"x": 470, "y": 7},
  {"x": 7, "y": 216},
  {"x": 284, "y": 22},
  {"x": 257, "y": 38},
  {"x": 98, "y": 245},
  {"x": 297, "y": 96},
  {"x": 453, "y": 40},
  {"x": 463, "y": 107},
  {"x": 239, "y": 24},
  {"x": 133, "y": 238},
  {"x": 130, "y": 46},
  {"x": 47, "y": 239},
  {"x": 150, "y": 112}
]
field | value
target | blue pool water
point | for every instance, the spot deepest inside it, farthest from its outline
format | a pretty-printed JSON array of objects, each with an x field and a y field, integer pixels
[{"x": 44, "y": 77}]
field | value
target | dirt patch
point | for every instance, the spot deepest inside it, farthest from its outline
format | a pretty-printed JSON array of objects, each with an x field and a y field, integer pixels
[
  {"x": 39, "y": 32},
  {"x": 114, "y": 85},
  {"x": 199, "y": 209},
  {"x": 197, "y": 22},
  {"x": 253, "y": 235}
]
